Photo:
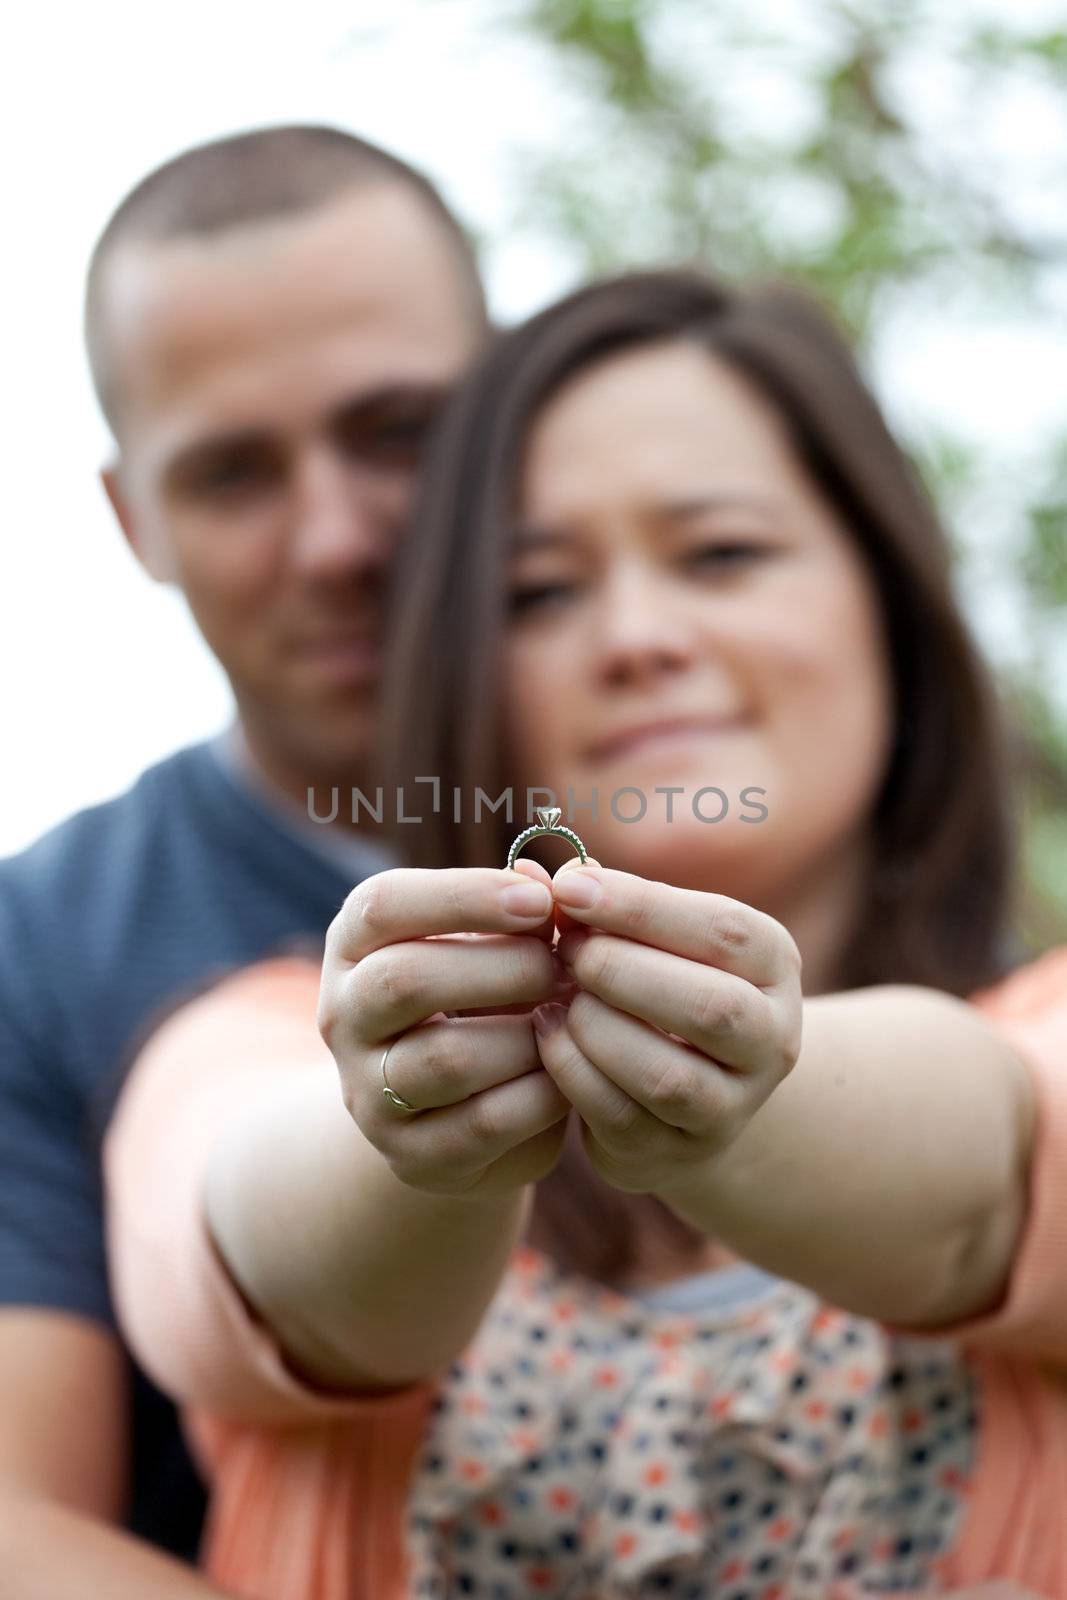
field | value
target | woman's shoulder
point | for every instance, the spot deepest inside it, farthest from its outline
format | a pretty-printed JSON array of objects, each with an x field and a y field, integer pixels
[
  {"x": 1033, "y": 991},
  {"x": 243, "y": 1006}
]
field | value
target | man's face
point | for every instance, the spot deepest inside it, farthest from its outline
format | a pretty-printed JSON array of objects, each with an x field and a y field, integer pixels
[{"x": 273, "y": 385}]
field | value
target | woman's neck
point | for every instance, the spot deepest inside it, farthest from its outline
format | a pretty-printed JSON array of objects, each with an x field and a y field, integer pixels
[{"x": 819, "y": 910}]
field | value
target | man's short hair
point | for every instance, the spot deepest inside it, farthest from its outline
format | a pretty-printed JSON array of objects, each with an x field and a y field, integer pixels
[{"x": 245, "y": 179}]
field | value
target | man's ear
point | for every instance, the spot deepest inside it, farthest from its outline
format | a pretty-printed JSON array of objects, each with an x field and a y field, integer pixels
[{"x": 144, "y": 550}]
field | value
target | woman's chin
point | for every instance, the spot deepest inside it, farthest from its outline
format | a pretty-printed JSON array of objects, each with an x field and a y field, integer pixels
[{"x": 728, "y": 856}]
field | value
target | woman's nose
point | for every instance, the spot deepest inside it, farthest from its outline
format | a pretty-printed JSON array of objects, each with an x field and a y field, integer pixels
[{"x": 641, "y": 630}]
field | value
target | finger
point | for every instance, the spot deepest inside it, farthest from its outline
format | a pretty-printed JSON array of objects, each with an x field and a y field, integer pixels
[
  {"x": 411, "y": 902},
  {"x": 564, "y": 920},
  {"x": 726, "y": 1018},
  {"x": 449, "y": 1148},
  {"x": 537, "y": 873},
  {"x": 627, "y": 1134},
  {"x": 545, "y": 931},
  {"x": 704, "y": 927},
  {"x": 394, "y": 988},
  {"x": 605, "y": 1055},
  {"x": 441, "y": 1062}
]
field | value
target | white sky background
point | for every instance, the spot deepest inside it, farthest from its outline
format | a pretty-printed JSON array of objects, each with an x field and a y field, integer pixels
[{"x": 102, "y": 671}]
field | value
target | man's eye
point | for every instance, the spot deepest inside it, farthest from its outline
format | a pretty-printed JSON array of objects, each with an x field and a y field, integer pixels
[
  {"x": 387, "y": 441},
  {"x": 401, "y": 442},
  {"x": 230, "y": 476}
]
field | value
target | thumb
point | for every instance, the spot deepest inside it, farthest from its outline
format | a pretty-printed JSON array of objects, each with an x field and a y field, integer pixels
[{"x": 564, "y": 920}]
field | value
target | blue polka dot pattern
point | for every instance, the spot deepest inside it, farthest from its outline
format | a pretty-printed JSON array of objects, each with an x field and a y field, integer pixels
[{"x": 588, "y": 1447}]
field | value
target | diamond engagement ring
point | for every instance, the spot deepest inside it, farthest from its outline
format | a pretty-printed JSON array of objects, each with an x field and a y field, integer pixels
[
  {"x": 547, "y": 822},
  {"x": 391, "y": 1095}
]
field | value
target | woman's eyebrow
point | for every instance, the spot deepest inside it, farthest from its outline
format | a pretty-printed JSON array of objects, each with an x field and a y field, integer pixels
[
  {"x": 530, "y": 536},
  {"x": 727, "y": 500}
]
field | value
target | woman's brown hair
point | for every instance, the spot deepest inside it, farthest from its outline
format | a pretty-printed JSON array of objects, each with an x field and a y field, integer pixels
[{"x": 935, "y": 906}]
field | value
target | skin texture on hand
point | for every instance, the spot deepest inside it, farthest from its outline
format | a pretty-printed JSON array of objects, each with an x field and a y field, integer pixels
[
  {"x": 686, "y": 1018},
  {"x": 443, "y": 968}
]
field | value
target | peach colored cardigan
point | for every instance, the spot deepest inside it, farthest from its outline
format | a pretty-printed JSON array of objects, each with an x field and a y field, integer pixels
[{"x": 308, "y": 1488}]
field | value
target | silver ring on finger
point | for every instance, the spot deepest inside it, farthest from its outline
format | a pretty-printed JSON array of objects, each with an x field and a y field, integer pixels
[
  {"x": 547, "y": 823},
  {"x": 397, "y": 1101}
]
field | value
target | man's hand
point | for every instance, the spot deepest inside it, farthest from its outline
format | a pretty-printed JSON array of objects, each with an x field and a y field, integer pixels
[{"x": 63, "y": 1466}]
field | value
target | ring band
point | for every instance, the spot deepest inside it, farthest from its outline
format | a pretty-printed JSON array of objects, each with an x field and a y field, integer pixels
[
  {"x": 547, "y": 823},
  {"x": 391, "y": 1095}
]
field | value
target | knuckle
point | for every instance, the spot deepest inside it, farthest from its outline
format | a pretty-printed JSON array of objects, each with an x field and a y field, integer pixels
[
  {"x": 333, "y": 934},
  {"x": 483, "y": 1120},
  {"x": 446, "y": 1060},
  {"x": 715, "y": 1012},
  {"x": 370, "y": 905},
  {"x": 327, "y": 1017},
  {"x": 641, "y": 914},
  {"x": 627, "y": 1127},
  {"x": 669, "y": 1086},
  {"x": 402, "y": 980},
  {"x": 788, "y": 1049},
  {"x": 437, "y": 1168},
  {"x": 731, "y": 930},
  {"x": 333, "y": 1010},
  {"x": 792, "y": 958}
]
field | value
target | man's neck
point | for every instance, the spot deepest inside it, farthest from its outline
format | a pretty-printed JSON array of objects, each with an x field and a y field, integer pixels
[{"x": 267, "y": 771}]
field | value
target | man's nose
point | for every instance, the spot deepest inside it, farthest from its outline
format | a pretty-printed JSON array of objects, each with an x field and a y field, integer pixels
[{"x": 340, "y": 524}]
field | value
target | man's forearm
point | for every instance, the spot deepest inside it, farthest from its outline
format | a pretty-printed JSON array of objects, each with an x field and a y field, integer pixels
[
  {"x": 49, "y": 1552},
  {"x": 366, "y": 1281},
  {"x": 889, "y": 1171}
]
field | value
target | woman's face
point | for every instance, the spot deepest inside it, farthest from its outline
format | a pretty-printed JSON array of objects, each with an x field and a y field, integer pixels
[{"x": 688, "y": 613}]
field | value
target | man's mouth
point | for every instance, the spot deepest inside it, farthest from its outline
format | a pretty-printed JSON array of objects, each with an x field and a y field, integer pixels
[{"x": 353, "y": 657}]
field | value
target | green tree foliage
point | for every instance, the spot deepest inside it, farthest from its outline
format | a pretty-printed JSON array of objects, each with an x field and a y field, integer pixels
[{"x": 869, "y": 151}]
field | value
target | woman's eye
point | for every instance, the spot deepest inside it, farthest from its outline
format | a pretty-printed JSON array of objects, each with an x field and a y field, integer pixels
[
  {"x": 531, "y": 596},
  {"x": 733, "y": 554}
]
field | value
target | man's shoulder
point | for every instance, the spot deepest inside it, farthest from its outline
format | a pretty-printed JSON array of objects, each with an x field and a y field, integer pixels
[{"x": 66, "y": 860}]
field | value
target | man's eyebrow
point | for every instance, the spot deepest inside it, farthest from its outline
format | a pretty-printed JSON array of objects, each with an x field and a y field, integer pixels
[
  {"x": 393, "y": 396},
  {"x": 388, "y": 397}
]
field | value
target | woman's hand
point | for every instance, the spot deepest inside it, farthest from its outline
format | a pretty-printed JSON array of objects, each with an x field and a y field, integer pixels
[
  {"x": 446, "y": 965},
  {"x": 686, "y": 1017}
]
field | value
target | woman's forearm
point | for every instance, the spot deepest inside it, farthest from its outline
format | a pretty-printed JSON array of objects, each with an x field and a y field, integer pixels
[
  {"x": 889, "y": 1171},
  {"x": 50, "y": 1551},
  {"x": 365, "y": 1281}
]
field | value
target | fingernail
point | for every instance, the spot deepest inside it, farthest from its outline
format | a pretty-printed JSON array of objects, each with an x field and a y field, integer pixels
[
  {"x": 527, "y": 900},
  {"x": 577, "y": 889},
  {"x": 547, "y": 1018}
]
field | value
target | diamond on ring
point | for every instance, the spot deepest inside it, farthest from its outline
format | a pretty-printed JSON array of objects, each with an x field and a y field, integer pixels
[{"x": 547, "y": 823}]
